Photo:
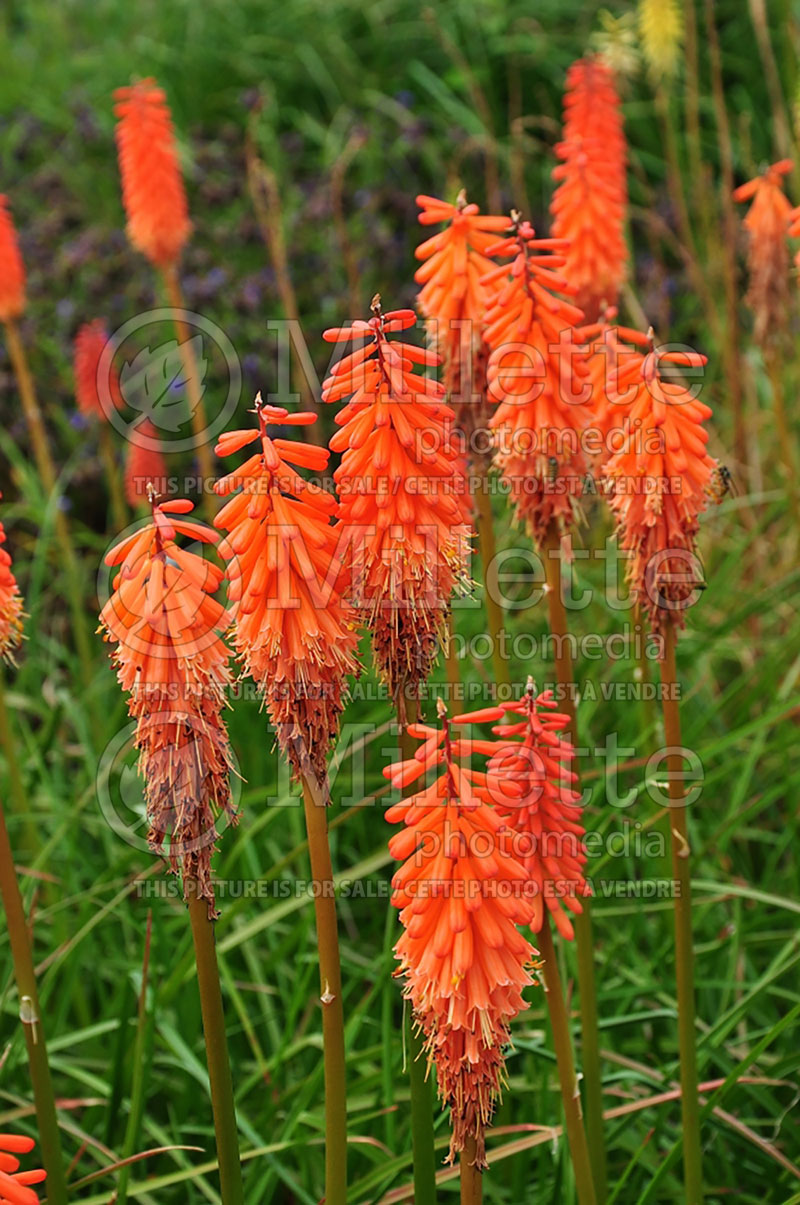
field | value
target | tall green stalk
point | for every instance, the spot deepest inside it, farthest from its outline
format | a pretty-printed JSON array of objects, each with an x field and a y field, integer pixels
[
  {"x": 421, "y": 1085},
  {"x": 330, "y": 978},
  {"x": 592, "y": 1074},
  {"x": 219, "y": 1068},
  {"x": 576, "y": 1135},
  {"x": 30, "y": 1016},
  {"x": 684, "y": 949}
]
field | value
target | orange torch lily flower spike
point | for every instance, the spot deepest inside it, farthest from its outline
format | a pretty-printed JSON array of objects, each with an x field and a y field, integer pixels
[
  {"x": 590, "y": 202},
  {"x": 90, "y": 342},
  {"x": 12, "y": 269},
  {"x": 144, "y": 464},
  {"x": 767, "y": 223},
  {"x": 453, "y": 299},
  {"x": 534, "y": 792},
  {"x": 402, "y": 494},
  {"x": 152, "y": 186},
  {"x": 10, "y": 605},
  {"x": 659, "y": 482},
  {"x": 169, "y": 655},
  {"x": 462, "y": 893},
  {"x": 537, "y": 375},
  {"x": 15, "y": 1184},
  {"x": 293, "y": 632},
  {"x": 607, "y": 346}
]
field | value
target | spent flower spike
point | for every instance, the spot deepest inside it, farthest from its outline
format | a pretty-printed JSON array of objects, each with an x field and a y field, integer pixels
[
  {"x": 293, "y": 632},
  {"x": 402, "y": 494},
  {"x": 165, "y": 626}
]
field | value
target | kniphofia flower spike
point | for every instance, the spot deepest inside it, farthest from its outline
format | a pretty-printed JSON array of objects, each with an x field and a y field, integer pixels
[
  {"x": 659, "y": 483},
  {"x": 462, "y": 893},
  {"x": 10, "y": 605},
  {"x": 15, "y": 1184},
  {"x": 608, "y": 346},
  {"x": 90, "y": 343},
  {"x": 165, "y": 625},
  {"x": 293, "y": 632},
  {"x": 152, "y": 186},
  {"x": 402, "y": 494},
  {"x": 537, "y": 376},
  {"x": 144, "y": 465},
  {"x": 767, "y": 223},
  {"x": 590, "y": 202},
  {"x": 12, "y": 269}
]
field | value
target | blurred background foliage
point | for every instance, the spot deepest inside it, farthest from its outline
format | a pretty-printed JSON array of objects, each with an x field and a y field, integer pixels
[{"x": 353, "y": 109}]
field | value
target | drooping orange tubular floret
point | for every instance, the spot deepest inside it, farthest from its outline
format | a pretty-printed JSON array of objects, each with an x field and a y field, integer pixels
[
  {"x": 607, "y": 347},
  {"x": 659, "y": 483},
  {"x": 152, "y": 185},
  {"x": 293, "y": 632},
  {"x": 589, "y": 205},
  {"x": 453, "y": 300},
  {"x": 169, "y": 655},
  {"x": 532, "y": 790},
  {"x": 767, "y": 223},
  {"x": 144, "y": 465},
  {"x": 402, "y": 495},
  {"x": 462, "y": 893},
  {"x": 537, "y": 375},
  {"x": 10, "y": 605},
  {"x": 90, "y": 343},
  {"x": 15, "y": 1184},
  {"x": 12, "y": 269}
]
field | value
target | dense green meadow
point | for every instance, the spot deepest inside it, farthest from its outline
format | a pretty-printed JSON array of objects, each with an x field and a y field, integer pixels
[{"x": 354, "y": 109}]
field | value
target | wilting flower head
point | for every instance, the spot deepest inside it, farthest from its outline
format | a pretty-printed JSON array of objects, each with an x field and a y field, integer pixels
[
  {"x": 12, "y": 269},
  {"x": 152, "y": 186},
  {"x": 165, "y": 626},
  {"x": 658, "y": 483},
  {"x": 607, "y": 347},
  {"x": 402, "y": 495},
  {"x": 537, "y": 376},
  {"x": 90, "y": 343},
  {"x": 453, "y": 300},
  {"x": 10, "y": 605},
  {"x": 661, "y": 35},
  {"x": 767, "y": 223},
  {"x": 589, "y": 205},
  {"x": 15, "y": 1184},
  {"x": 462, "y": 893},
  {"x": 293, "y": 632},
  {"x": 145, "y": 465},
  {"x": 531, "y": 788}
]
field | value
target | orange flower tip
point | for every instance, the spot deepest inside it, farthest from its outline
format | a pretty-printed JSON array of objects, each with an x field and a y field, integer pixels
[
  {"x": 486, "y": 715},
  {"x": 176, "y": 506},
  {"x": 234, "y": 441}
]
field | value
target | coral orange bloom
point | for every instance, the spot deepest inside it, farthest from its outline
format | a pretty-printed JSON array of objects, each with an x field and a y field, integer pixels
[
  {"x": 461, "y": 894},
  {"x": 532, "y": 788},
  {"x": 12, "y": 269},
  {"x": 537, "y": 374},
  {"x": 607, "y": 346},
  {"x": 767, "y": 223},
  {"x": 453, "y": 299},
  {"x": 402, "y": 495},
  {"x": 659, "y": 482},
  {"x": 15, "y": 1184},
  {"x": 152, "y": 186},
  {"x": 590, "y": 203},
  {"x": 90, "y": 343},
  {"x": 165, "y": 626},
  {"x": 144, "y": 465},
  {"x": 293, "y": 632},
  {"x": 10, "y": 605}
]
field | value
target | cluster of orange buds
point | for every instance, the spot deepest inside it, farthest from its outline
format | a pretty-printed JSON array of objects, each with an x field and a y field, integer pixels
[
  {"x": 152, "y": 185},
  {"x": 607, "y": 346},
  {"x": 12, "y": 269},
  {"x": 768, "y": 224},
  {"x": 90, "y": 343},
  {"x": 483, "y": 852},
  {"x": 294, "y": 633},
  {"x": 453, "y": 300},
  {"x": 537, "y": 375},
  {"x": 402, "y": 495},
  {"x": 589, "y": 205},
  {"x": 15, "y": 1185},
  {"x": 166, "y": 627},
  {"x": 660, "y": 481},
  {"x": 10, "y": 605}
]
